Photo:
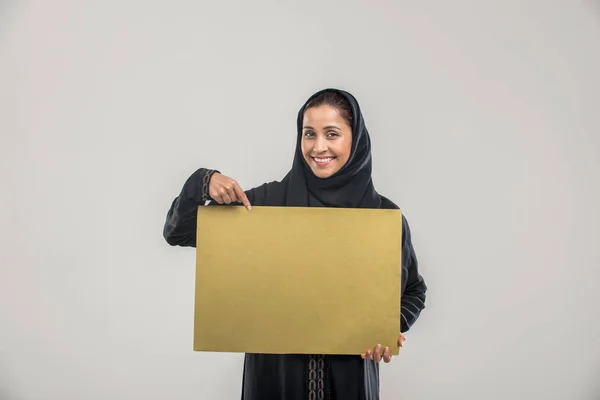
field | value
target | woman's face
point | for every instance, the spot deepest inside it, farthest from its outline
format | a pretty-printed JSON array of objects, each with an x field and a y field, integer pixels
[{"x": 326, "y": 140}]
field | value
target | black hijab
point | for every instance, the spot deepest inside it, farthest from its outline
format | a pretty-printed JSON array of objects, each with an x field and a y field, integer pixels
[{"x": 351, "y": 186}]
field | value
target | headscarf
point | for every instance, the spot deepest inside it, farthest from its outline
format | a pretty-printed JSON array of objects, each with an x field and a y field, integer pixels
[{"x": 351, "y": 186}]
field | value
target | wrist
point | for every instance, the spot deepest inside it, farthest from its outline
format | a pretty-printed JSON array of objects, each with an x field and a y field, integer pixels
[{"x": 206, "y": 184}]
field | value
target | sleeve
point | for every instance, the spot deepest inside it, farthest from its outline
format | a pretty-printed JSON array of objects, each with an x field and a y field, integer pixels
[
  {"x": 181, "y": 222},
  {"x": 413, "y": 286}
]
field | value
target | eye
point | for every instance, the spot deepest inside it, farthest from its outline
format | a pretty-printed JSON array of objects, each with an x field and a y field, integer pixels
[
  {"x": 332, "y": 134},
  {"x": 308, "y": 134}
]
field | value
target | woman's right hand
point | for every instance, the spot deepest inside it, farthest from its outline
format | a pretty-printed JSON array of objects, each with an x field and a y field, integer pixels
[{"x": 223, "y": 189}]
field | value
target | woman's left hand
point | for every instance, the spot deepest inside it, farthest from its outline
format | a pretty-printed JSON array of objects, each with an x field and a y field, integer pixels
[{"x": 382, "y": 354}]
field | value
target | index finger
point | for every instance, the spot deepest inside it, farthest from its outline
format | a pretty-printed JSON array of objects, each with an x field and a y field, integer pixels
[{"x": 242, "y": 196}]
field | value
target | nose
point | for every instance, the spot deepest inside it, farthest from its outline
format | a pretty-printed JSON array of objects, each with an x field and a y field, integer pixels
[{"x": 320, "y": 145}]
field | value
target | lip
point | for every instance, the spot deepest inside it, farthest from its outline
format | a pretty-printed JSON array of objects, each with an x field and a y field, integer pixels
[{"x": 323, "y": 161}]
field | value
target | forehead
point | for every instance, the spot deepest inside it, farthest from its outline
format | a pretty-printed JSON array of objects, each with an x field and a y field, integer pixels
[{"x": 323, "y": 115}]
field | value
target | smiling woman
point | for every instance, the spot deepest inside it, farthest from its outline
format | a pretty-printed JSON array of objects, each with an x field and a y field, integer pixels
[
  {"x": 327, "y": 134},
  {"x": 331, "y": 168}
]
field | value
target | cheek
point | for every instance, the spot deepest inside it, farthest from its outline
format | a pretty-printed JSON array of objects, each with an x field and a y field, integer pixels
[
  {"x": 304, "y": 148},
  {"x": 345, "y": 149}
]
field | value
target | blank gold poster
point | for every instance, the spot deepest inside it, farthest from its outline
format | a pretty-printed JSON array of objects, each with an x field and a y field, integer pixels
[{"x": 293, "y": 280}]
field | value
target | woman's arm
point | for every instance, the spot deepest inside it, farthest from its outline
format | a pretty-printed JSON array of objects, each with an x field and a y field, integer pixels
[
  {"x": 181, "y": 222},
  {"x": 414, "y": 288},
  {"x": 180, "y": 225}
]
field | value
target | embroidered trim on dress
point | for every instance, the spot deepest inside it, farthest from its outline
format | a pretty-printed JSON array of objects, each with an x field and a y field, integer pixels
[
  {"x": 206, "y": 184},
  {"x": 316, "y": 378}
]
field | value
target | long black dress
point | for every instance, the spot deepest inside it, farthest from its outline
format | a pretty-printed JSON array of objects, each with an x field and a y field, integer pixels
[{"x": 310, "y": 377}]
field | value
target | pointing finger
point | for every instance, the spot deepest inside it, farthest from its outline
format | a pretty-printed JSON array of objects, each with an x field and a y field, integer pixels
[{"x": 242, "y": 196}]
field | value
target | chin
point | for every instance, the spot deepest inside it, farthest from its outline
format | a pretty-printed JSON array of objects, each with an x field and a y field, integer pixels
[{"x": 320, "y": 173}]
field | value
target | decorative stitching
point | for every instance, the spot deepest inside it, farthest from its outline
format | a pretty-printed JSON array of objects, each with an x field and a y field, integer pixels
[
  {"x": 316, "y": 378},
  {"x": 206, "y": 184},
  {"x": 321, "y": 378},
  {"x": 312, "y": 378}
]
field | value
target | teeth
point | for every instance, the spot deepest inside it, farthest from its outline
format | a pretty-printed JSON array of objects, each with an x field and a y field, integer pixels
[{"x": 323, "y": 159}]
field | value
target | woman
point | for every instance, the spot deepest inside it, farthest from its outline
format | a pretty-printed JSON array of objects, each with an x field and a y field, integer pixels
[{"x": 331, "y": 168}]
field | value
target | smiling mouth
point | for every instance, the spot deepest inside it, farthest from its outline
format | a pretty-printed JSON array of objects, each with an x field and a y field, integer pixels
[{"x": 323, "y": 160}]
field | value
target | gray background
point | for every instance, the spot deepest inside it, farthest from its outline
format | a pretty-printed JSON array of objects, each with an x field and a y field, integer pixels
[{"x": 485, "y": 123}]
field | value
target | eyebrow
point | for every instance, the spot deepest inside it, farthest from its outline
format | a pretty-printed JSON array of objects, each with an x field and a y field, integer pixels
[{"x": 325, "y": 127}]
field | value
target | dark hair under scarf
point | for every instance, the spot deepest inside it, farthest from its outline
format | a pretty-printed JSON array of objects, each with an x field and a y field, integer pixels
[{"x": 351, "y": 186}]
